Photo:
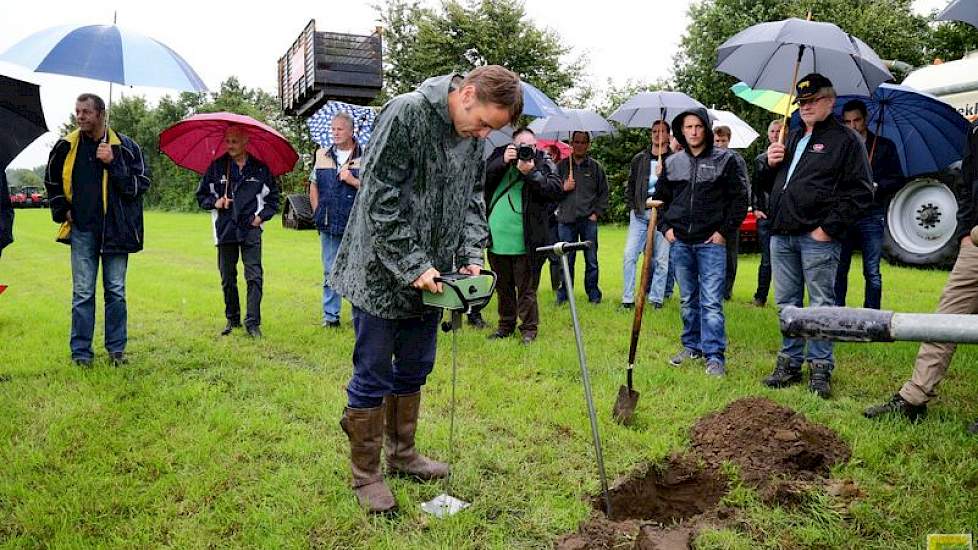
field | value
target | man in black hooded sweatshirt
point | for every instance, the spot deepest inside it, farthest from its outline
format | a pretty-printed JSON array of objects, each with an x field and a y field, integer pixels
[{"x": 704, "y": 199}]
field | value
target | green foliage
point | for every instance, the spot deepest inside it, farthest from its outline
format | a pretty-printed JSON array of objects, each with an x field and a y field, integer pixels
[
  {"x": 173, "y": 187},
  {"x": 19, "y": 177},
  {"x": 420, "y": 42}
]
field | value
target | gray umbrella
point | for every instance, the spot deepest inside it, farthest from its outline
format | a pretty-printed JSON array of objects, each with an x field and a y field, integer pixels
[
  {"x": 573, "y": 120},
  {"x": 765, "y": 56},
  {"x": 965, "y": 11},
  {"x": 644, "y": 108}
]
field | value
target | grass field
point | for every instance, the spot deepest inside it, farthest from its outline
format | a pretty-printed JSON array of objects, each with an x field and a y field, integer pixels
[{"x": 206, "y": 441}]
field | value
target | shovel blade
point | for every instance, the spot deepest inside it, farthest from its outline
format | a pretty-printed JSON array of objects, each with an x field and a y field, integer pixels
[{"x": 625, "y": 405}]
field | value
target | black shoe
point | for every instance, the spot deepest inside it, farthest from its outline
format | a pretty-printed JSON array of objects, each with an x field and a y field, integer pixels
[
  {"x": 498, "y": 335},
  {"x": 476, "y": 321},
  {"x": 229, "y": 327},
  {"x": 757, "y": 302},
  {"x": 820, "y": 379},
  {"x": 627, "y": 305},
  {"x": 594, "y": 301},
  {"x": 785, "y": 374},
  {"x": 118, "y": 358},
  {"x": 898, "y": 405},
  {"x": 331, "y": 324},
  {"x": 82, "y": 362},
  {"x": 657, "y": 305},
  {"x": 528, "y": 339},
  {"x": 253, "y": 331},
  {"x": 973, "y": 429}
]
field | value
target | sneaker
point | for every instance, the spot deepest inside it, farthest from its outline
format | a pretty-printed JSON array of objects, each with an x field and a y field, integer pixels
[
  {"x": 684, "y": 355},
  {"x": 657, "y": 305},
  {"x": 81, "y": 362},
  {"x": 757, "y": 302},
  {"x": 594, "y": 301},
  {"x": 785, "y": 374},
  {"x": 897, "y": 405},
  {"x": 231, "y": 325},
  {"x": 331, "y": 324},
  {"x": 118, "y": 358},
  {"x": 476, "y": 321},
  {"x": 528, "y": 339},
  {"x": 715, "y": 368},
  {"x": 254, "y": 331},
  {"x": 627, "y": 305},
  {"x": 499, "y": 335}
]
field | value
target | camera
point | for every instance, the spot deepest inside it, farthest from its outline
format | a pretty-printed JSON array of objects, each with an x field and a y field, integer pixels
[{"x": 526, "y": 152}]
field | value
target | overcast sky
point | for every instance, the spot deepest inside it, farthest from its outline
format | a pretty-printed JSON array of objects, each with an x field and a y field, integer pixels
[{"x": 622, "y": 40}]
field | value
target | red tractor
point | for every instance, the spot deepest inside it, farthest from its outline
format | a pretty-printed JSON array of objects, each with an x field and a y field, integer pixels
[{"x": 28, "y": 197}]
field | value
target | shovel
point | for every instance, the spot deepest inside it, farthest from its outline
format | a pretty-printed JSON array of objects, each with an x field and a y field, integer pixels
[{"x": 627, "y": 400}]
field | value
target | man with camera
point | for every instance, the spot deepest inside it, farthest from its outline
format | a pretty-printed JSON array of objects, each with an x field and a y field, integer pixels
[{"x": 522, "y": 186}]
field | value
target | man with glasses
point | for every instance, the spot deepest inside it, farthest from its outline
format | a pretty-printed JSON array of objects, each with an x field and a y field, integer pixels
[
  {"x": 819, "y": 185},
  {"x": 585, "y": 200}
]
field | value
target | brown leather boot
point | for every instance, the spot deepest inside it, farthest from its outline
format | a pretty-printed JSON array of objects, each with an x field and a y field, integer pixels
[
  {"x": 402, "y": 457},
  {"x": 365, "y": 428}
]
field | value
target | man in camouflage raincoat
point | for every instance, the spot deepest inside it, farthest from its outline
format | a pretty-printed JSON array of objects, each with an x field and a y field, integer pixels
[{"x": 419, "y": 213}]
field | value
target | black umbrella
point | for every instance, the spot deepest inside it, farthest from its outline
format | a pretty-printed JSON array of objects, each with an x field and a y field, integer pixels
[{"x": 21, "y": 117}]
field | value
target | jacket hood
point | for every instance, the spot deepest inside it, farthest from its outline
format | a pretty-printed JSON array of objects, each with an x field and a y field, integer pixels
[
  {"x": 435, "y": 90},
  {"x": 677, "y": 127}
]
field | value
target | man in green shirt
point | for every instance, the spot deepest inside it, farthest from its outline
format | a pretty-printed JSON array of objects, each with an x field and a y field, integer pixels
[{"x": 521, "y": 194}]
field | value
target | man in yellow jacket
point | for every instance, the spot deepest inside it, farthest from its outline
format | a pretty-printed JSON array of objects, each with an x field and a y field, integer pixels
[{"x": 95, "y": 179}]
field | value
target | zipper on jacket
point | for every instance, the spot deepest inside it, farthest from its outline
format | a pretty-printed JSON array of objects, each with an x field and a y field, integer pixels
[{"x": 692, "y": 191}]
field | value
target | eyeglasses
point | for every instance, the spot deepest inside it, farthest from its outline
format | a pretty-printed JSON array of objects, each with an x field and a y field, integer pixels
[{"x": 811, "y": 100}]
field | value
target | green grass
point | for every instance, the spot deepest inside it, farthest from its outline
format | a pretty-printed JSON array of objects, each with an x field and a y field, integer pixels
[{"x": 208, "y": 441}]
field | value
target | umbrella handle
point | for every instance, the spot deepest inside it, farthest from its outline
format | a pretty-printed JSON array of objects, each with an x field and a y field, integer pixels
[{"x": 794, "y": 82}]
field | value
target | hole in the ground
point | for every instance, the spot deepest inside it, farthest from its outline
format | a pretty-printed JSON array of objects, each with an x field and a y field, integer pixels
[{"x": 668, "y": 494}]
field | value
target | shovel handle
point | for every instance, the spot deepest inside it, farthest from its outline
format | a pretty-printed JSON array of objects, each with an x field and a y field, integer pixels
[{"x": 640, "y": 300}]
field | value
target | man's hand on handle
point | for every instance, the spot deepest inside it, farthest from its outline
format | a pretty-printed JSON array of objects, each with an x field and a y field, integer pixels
[
  {"x": 775, "y": 154},
  {"x": 427, "y": 281}
]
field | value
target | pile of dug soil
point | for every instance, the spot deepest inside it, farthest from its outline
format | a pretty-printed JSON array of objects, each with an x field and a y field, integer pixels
[
  {"x": 767, "y": 442},
  {"x": 776, "y": 449}
]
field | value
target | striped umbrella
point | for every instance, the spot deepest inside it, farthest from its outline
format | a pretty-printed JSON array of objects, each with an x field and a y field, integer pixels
[
  {"x": 773, "y": 101},
  {"x": 107, "y": 53}
]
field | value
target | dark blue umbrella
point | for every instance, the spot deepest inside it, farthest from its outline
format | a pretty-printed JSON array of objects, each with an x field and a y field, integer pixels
[
  {"x": 965, "y": 11},
  {"x": 929, "y": 134}
]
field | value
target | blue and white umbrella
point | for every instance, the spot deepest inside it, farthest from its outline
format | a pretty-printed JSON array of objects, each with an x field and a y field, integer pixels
[
  {"x": 107, "y": 53},
  {"x": 319, "y": 123}
]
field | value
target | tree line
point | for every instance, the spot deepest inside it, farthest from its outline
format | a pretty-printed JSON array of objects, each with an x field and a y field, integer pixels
[{"x": 420, "y": 41}]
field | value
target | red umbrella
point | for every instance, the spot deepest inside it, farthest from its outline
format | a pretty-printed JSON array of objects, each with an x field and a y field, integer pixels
[
  {"x": 565, "y": 150},
  {"x": 196, "y": 141}
]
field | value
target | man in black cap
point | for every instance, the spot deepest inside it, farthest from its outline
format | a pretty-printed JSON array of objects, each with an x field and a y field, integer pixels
[{"x": 819, "y": 184}]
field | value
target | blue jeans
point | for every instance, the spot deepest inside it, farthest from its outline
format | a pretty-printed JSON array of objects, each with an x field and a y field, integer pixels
[
  {"x": 332, "y": 302},
  {"x": 764, "y": 270},
  {"x": 867, "y": 235},
  {"x": 390, "y": 356},
  {"x": 799, "y": 262},
  {"x": 634, "y": 245},
  {"x": 670, "y": 279},
  {"x": 700, "y": 270},
  {"x": 85, "y": 256},
  {"x": 585, "y": 230}
]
